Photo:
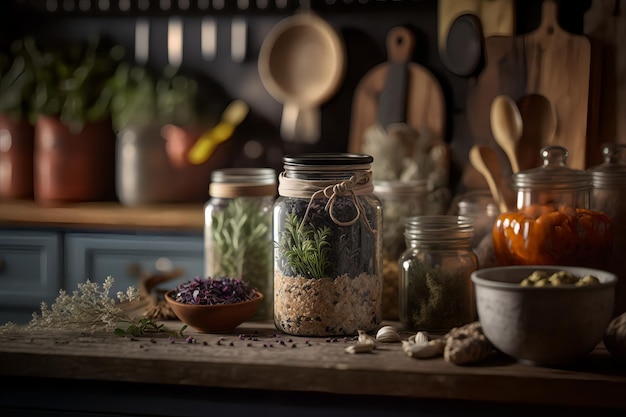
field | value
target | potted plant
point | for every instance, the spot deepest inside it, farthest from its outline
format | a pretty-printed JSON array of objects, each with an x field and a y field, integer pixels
[
  {"x": 74, "y": 139},
  {"x": 17, "y": 83},
  {"x": 157, "y": 119}
]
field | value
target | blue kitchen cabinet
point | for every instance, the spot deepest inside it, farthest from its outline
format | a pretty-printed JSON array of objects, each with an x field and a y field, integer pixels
[
  {"x": 30, "y": 272},
  {"x": 125, "y": 257}
]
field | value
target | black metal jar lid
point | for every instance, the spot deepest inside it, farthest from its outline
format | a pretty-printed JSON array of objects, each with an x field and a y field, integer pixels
[{"x": 325, "y": 159}]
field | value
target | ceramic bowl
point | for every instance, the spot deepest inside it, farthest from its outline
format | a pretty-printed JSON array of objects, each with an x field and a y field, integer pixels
[
  {"x": 217, "y": 318},
  {"x": 544, "y": 326}
]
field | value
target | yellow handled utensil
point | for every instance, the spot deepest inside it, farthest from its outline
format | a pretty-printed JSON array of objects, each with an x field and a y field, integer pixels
[{"x": 204, "y": 147}]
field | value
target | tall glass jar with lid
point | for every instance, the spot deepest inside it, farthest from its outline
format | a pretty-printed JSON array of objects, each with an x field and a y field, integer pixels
[
  {"x": 328, "y": 246},
  {"x": 553, "y": 223},
  {"x": 238, "y": 229},
  {"x": 400, "y": 199},
  {"x": 436, "y": 292},
  {"x": 609, "y": 196},
  {"x": 482, "y": 208}
]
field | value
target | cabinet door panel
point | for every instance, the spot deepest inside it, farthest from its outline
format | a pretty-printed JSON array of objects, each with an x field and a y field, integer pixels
[
  {"x": 30, "y": 268},
  {"x": 126, "y": 257}
]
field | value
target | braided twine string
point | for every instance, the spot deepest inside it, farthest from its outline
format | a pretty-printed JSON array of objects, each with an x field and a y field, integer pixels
[{"x": 359, "y": 184}]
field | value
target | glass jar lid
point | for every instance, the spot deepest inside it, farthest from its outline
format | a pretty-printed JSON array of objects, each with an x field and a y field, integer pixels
[
  {"x": 400, "y": 188},
  {"x": 241, "y": 182},
  {"x": 553, "y": 175},
  {"x": 612, "y": 172},
  {"x": 439, "y": 228}
]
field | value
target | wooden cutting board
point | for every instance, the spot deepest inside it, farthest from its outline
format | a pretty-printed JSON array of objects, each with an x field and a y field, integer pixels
[
  {"x": 424, "y": 100},
  {"x": 605, "y": 23},
  {"x": 548, "y": 61},
  {"x": 497, "y": 16}
]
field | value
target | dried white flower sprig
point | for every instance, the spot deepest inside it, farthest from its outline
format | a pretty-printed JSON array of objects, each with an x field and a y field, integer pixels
[{"x": 91, "y": 309}]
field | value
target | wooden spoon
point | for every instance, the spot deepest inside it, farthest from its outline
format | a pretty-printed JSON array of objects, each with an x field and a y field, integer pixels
[
  {"x": 507, "y": 127},
  {"x": 539, "y": 120},
  {"x": 485, "y": 160}
]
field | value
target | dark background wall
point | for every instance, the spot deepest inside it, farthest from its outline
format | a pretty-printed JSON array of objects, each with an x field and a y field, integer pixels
[{"x": 362, "y": 24}]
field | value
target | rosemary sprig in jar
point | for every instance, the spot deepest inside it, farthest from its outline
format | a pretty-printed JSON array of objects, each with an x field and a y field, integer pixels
[
  {"x": 306, "y": 249},
  {"x": 240, "y": 242}
]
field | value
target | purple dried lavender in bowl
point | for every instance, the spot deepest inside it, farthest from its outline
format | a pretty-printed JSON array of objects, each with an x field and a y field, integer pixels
[{"x": 211, "y": 291}]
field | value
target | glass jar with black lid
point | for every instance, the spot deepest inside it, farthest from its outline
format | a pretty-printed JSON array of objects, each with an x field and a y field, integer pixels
[{"x": 328, "y": 246}]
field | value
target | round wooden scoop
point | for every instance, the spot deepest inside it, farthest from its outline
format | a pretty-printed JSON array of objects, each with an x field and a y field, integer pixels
[
  {"x": 507, "y": 127},
  {"x": 485, "y": 160},
  {"x": 539, "y": 119}
]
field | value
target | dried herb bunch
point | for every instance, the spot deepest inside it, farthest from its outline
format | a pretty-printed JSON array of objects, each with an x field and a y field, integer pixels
[
  {"x": 240, "y": 242},
  {"x": 240, "y": 245},
  {"x": 437, "y": 299},
  {"x": 209, "y": 291},
  {"x": 91, "y": 309}
]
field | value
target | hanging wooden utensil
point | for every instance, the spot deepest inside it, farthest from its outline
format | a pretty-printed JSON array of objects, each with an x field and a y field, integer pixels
[
  {"x": 142, "y": 40},
  {"x": 485, "y": 160},
  {"x": 506, "y": 125},
  {"x": 301, "y": 64},
  {"x": 425, "y": 104},
  {"x": 175, "y": 41},
  {"x": 392, "y": 101},
  {"x": 548, "y": 61},
  {"x": 539, "y": 121}
]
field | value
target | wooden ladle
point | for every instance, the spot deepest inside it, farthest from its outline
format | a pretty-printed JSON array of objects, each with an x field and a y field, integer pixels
[
  {"x": 485, "y": 161},
  {"x": 507, "y": 127},
  {"x": 301, "y": 63},
  {"x": 539, "y": 120}
]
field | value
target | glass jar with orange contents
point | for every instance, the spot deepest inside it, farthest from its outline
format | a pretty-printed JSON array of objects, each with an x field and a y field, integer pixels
[{"x": 553, "y": 223}]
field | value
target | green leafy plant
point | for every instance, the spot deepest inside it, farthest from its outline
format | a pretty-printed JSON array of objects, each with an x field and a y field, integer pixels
[
  {"x": 72, "y": 82},
  {"x": 17, "y": 81},
  {"x": 91, "y": 309},
  {"x": 140, "y": 98},
  {"x": 306, "y": 249}
]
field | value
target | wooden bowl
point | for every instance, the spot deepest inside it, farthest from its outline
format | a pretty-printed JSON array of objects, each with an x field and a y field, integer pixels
[{"x": 217, "y": 318}]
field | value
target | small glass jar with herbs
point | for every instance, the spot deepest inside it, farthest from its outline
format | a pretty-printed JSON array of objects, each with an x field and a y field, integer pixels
[
  {"x": 328, "y": 257},
  {"x": 238, "y": 229},
  {"x": 436, "y": 291}
]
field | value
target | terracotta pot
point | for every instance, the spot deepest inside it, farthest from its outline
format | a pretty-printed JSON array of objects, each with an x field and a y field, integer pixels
[
  {"x": 16, "y": 158},
  {"x": 73, "y": 167}
]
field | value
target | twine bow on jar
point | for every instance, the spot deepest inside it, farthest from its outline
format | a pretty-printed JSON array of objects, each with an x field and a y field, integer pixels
[{"x": 358, "y": 184}]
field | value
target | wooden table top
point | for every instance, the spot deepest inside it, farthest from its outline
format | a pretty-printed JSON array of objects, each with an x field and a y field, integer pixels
[{"x": 256, "y": 356}]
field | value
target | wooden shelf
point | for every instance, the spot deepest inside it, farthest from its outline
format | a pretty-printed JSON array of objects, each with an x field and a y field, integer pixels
[
  {"x": 103, "y": 215},
  {"x": 244, "y": 359}
]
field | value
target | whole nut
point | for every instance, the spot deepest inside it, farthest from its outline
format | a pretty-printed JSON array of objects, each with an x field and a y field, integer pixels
[{"x": 615, "y": 337}]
